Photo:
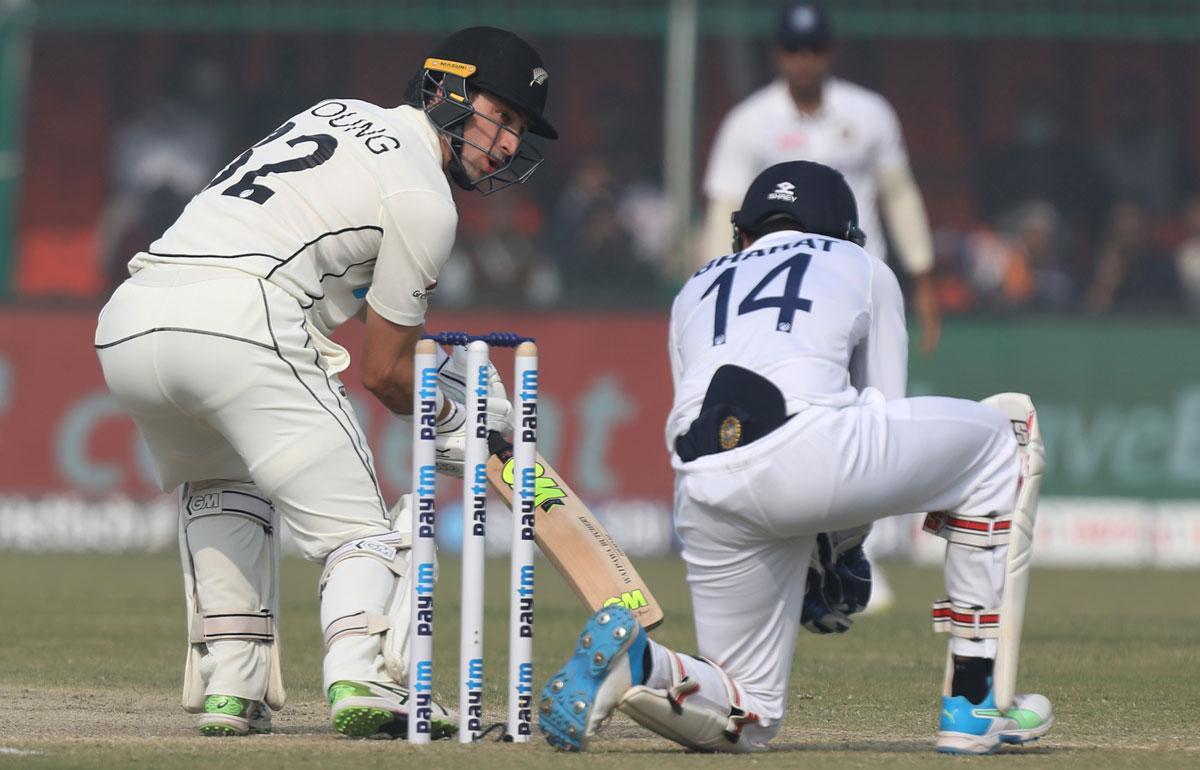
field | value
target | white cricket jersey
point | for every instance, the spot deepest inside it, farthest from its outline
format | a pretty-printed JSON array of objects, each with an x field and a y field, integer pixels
[
  {"x": 855, "y": 131},
  {"x": 344, "y": 203},
  {"x": 817, "y": 316}
]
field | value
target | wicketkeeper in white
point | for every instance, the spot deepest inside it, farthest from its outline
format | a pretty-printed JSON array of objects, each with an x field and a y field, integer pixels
[
  {"x": 806, "y": 113},
  {"x": 218, "y": 347},
  {"x": 790, "y": 434}
]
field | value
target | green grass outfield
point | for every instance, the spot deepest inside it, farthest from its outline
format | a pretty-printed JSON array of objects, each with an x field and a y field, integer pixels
[{"x": 91, "y": 654}]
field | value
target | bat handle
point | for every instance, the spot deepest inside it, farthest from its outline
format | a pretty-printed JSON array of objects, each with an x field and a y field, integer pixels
[{"x": 499, "y": 446}]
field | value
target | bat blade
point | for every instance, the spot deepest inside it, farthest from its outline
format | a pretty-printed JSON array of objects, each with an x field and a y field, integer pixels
[{"x": 578, "y": 545}]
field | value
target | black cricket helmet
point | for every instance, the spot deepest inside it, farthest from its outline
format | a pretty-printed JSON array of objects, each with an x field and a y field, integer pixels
[
  {"x": 813, "y": 196},
  {"x": 492, "y": 60}
]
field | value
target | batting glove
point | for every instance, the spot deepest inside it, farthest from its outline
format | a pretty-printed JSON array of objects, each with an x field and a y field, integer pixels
[{"x": 452, "y": 429}]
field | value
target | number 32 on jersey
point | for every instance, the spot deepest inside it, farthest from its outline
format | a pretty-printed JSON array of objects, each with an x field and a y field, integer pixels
[{"x": 247, "y": 188}]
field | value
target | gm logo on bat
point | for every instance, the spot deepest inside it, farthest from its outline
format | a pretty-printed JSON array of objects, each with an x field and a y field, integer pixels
[
  {"x": 633, "y": 600},
  {"x": 546, "y": 492}
]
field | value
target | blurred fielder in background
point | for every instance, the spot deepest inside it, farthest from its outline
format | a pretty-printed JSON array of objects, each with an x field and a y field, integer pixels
[
  {"x": 217, "y": 346},
  {"x": 790, "y": 433},
  {"x": 807, "y": 114}
]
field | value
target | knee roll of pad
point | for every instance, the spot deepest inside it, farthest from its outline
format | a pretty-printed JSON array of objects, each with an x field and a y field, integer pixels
[{"x": 247, "y": 579}]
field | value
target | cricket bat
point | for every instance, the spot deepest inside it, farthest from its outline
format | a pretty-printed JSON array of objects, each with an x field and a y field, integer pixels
[{"x": 574, "y": 540}]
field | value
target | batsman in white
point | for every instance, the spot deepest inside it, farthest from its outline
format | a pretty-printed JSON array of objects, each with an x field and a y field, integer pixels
[
  {"x": 218, "y": 347},
  {"x": 790, "y": 434},
  {"x": 808, "y": 114}
]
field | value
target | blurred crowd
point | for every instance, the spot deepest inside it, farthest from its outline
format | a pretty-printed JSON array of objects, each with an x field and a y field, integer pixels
[
  {"x": 1060, "y": 224},
  {"x": 1064, "y": 226}
]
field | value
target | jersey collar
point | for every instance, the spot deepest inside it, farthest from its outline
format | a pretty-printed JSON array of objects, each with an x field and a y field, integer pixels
[
  {"x": 780, "y": 236},
  {"x": 418, "y": 119}
]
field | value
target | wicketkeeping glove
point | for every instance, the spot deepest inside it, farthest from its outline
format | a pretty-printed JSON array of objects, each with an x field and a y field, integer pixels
[{"x": 839, "y": 582}]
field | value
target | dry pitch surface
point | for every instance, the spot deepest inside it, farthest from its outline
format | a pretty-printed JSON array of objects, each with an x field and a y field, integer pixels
[{"x": 91, "y": 656}]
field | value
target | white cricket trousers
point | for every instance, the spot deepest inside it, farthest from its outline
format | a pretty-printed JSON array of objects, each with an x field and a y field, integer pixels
[
  {"x": 748, "y": 520},
  {"x": 226, "y": 382}
]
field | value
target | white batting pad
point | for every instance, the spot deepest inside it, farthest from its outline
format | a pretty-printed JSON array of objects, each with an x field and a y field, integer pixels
[
  {"x": 230, "y": 552},
  {"x": 365, "y": 605}
]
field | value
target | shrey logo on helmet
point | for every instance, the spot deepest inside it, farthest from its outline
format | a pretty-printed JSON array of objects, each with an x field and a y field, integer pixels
[
  {"x": 812, "y": 197},
  {"x": 540, "y": 76},
  {"x": 784, "y": 191}
]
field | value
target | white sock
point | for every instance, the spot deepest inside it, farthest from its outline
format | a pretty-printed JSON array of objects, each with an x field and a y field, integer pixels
[
  {"x": 712, "y": 683},
  {"x": 659, "y": 676}
]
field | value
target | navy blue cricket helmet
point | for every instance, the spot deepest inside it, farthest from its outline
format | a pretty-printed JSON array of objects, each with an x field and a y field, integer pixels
[{"x": 811, "y": 195}]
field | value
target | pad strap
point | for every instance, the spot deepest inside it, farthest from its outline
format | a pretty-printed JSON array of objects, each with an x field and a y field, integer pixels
[
  {"x": 964, "y": 621},
  {"x": 682, "y": 685},
  {"x": 974, "y": 531},
  {"x": 358, "y": 624},
  {"x": 223, "y": 626},
  {"x": 228, "y": 502}
]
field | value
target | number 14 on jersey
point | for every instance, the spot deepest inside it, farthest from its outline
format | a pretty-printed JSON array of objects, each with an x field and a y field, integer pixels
[{"x": 788, "y": 302}]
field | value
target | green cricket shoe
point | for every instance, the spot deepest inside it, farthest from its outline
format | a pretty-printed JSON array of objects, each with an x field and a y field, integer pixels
[
  {"x": 1034, "y": 716},
  {"x": 364, "y": 709},
  {"x": 228, "y": 715}
]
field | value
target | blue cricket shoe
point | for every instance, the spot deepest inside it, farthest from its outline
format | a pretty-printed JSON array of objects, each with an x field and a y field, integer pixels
[
  {"x": 581, "y": 696},
  {"x": 970, "y": 728}
]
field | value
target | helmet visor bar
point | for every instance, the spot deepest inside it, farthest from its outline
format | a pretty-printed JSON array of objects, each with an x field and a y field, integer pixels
[{"x": 449, "y": 109}]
